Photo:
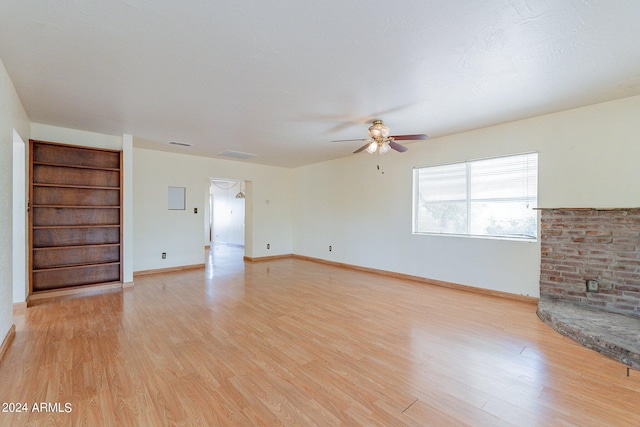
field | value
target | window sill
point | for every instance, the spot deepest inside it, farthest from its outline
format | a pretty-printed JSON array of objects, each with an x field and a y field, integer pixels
[{"x": 473, "y": 236}]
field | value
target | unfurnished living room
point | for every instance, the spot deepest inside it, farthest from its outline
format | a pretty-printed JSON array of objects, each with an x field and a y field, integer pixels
[{"x": 261, "y": 213}]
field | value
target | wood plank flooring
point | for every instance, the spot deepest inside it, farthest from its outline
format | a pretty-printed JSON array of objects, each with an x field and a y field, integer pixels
[{"x": 292, "y": 342}]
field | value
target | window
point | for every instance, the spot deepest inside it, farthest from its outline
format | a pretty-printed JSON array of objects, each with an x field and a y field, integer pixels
[{"x": 491, "y": 198}]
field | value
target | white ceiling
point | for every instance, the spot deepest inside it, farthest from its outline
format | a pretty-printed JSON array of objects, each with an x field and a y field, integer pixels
[{"x": 282, "y": 78}]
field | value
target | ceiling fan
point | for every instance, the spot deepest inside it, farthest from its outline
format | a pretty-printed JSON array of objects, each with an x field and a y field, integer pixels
[{"x": 380, "y": 141}]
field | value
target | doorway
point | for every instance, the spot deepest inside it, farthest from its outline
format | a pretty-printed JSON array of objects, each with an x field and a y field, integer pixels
[{"x": 226, "y": 213}]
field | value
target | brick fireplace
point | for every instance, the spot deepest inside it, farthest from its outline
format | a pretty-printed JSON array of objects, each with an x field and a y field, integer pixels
[
  {"x": 581, "y": 245},
  {"x": 587, "y": 244}
]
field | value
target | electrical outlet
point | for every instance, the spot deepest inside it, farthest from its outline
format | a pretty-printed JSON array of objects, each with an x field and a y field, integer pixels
[
  {"x": 164, "y": 255},
  {"x": 330, "y": 248},
  {"x": 592, "y": 286},
  {"x": 195, "y": 210},
  {"x": 268, "y": 245}
]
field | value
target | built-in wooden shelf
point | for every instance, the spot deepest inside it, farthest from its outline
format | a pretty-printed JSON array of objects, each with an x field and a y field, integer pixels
[{"x": 75, "y": 216}]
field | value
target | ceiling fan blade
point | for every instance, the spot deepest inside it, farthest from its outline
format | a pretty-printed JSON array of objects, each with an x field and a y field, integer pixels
[
  {"x": 349, "y": 140},
  {"x": 362, "y": 148},
  {"x": 409, "y": 137},
  {"x": 397, "y": 147}
]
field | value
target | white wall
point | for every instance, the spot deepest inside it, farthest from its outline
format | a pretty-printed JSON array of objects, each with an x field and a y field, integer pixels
[
  {"x": 179, "y": 233},
  {"x": 12, "y": 116},
  {"x": 82, "y": 138},
  {"x": 587, "y": 158}
]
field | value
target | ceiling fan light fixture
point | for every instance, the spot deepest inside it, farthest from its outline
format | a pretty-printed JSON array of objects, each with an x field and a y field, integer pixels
[
  {"x": 379, "y": 139},
  {"x": 378, "y": 130},
  {"x": 384, "y": 147},
  {"x": 373, "y": 146}
]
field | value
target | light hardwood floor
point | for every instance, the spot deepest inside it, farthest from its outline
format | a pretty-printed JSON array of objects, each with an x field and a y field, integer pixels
[{"x": 292, "y": 342}]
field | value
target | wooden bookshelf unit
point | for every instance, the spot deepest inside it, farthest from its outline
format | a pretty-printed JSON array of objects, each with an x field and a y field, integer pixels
[{"x": 75, "y": 216}]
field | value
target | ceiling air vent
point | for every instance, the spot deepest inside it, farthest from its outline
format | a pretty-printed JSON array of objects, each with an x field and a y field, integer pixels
[
  {"x": 236, "y": 154},
  {"x": 182, "y": 144}
]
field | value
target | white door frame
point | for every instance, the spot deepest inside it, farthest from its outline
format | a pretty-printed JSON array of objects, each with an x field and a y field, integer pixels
[{"x": 19, "y": 235}]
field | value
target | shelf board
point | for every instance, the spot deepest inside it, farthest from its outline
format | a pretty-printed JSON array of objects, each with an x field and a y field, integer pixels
[
  {"x": 88, "y": 187},
  {"x": 99, "y": 245},
  {"x": 45, "y": 227},
  {"x": 77, "y": 206},
  {"x": 66, "y": 165},
  {"x": 76, "y": 266}
]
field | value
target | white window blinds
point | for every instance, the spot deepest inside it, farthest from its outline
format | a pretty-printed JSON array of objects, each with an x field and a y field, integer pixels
[{"x": 492, "y": 197}]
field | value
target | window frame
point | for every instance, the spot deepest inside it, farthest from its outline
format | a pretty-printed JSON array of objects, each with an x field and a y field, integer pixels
[{"x": 468, "y": 201}]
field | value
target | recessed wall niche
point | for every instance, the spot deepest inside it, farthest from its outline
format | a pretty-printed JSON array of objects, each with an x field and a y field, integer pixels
[{"x": 75, "y": 216}]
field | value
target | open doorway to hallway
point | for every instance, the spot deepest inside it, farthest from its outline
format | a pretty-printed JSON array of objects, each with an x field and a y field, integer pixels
[{"x": 226, "y": 218}]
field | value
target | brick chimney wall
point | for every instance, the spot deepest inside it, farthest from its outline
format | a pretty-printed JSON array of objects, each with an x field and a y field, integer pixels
[{"x": 587, "y": 244}]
